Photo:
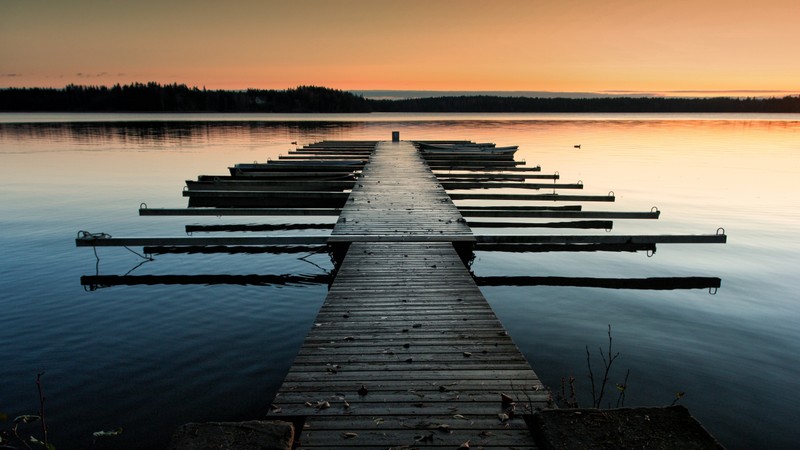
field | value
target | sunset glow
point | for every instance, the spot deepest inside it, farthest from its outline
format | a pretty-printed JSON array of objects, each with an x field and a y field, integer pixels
[{"x": 568, "y": 45}]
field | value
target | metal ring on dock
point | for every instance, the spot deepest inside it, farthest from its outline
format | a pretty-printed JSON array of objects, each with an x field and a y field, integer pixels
[
  {"x": 579, "y": 182},
  {"x": 714, "y": 292},
  {"x": 720, "y": 229},
  {"x": 654, "y": 209},
  {"x": 650, "y": 253},
  {"x": 611, "y": 194},
  {"x": 142, "y": 205}
]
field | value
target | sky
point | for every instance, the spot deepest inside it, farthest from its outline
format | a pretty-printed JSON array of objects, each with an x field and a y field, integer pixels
[{"x": 616, "y": 46}]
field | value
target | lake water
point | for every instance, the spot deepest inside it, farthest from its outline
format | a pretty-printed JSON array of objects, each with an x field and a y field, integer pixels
[{"x": 149, "y": 358}]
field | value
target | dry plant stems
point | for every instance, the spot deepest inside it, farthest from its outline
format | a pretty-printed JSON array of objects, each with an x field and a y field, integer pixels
[
  {"x": 41, "y": 408},
  {"x": 570, "y": 401},
  {"x": 597, "y": 395},
  {"x": 621, "y": 388}
]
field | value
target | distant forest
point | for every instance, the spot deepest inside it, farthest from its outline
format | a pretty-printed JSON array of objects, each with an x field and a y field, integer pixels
[{"x": 154, "y": 97}]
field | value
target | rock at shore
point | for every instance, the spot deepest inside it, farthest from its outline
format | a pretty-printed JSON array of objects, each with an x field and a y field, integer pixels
[{"x": 251, "y": 435}]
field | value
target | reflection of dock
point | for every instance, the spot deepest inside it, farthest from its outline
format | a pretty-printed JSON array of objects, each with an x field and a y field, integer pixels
[{"x": 405, "y": 350}]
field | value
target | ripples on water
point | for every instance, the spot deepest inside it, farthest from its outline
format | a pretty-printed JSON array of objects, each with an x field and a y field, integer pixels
[{"x": 149, "y": 358}]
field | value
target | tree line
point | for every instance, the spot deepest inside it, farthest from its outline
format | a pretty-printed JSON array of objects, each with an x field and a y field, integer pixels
[{"x": 155, "y": 97}]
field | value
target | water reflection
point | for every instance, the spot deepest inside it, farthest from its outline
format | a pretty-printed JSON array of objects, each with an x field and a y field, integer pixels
[
  {"x": 114, "y": 350},
  {"x": 94, "y": 282},
  {"x": 167, "y": 134}
]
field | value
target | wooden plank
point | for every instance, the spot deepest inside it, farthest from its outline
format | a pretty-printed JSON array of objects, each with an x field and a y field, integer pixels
[
  {"x": 405, "y": 322},
  {"x": 447, "y": 175},
  {"x": 397, "y": 194},
  {"x": 90, "y": 241},
  {"x": 108, "y": 241},
  {"x": 474, "y": 212},
  {"x": 421, "y": 236},
  {"x": 604, "y": 239},
  {"x": 337, "y": 157},
  {"x": 496, "y": 170},
  {"x": 654, "y": 283},
  {"x": 205, "y": 249},
  {"x": 539, "y": 248},
  {"x": 283, "y": 176},
  {"x": 314, "y": 195},
  {"x": 521, "y": 208},
  {"x": 270, "y": 185},
  {"x": 580, "y": 224},
  {"x": 254, "y": 227},
  {"x": 498, "y": 185},
  {"x": 207, "y": 279},
  {"x": 529, "y": 197},
  {"x": 239, "y": 211}
]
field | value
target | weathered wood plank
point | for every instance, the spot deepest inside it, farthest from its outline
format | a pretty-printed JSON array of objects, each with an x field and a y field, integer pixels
[
  {"x": 239, "y": 211},
  {"x": 404, "y": 333},
  {"x": 91, "y": 241},
  {"x": 540, "y": 197},
  {"x": 605, "y": 239},
  {"x": 435, "y": 370}
]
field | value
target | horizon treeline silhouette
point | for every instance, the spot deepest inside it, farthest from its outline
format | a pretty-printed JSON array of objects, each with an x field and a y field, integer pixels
[{"x": 154, "y": 97}]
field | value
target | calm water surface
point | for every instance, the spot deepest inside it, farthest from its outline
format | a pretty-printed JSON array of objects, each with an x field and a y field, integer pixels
[{"x": 149, "y": 358}]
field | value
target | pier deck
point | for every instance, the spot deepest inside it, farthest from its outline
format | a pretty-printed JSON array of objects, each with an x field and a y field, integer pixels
[{"x": 406, "y": 352}]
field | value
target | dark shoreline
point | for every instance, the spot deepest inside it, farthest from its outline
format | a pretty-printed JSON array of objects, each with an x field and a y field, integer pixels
[{"x": 154, "y": 97}]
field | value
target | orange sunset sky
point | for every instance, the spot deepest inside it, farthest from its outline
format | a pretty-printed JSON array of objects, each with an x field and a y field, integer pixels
[{"x": 543, "y": 45}]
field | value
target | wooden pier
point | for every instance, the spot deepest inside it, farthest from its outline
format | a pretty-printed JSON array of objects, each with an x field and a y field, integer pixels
[{"x": 405, "y": 351}]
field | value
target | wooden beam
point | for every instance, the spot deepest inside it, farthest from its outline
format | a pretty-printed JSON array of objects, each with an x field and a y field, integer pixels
[
  {"x": 253, "y": 227},
  {"x": 603, "y": 239},
  {"x": 561, "y": 214},
  {"x": 337, "y": 157},
  {"x": 491, "y": 176},
  {"x": 522, "y": 208},
  {"x": 232, "y": 249},
  {"x": 661, "y": 283},
  {"x": 269, "y": 185},
  {"x": 441, "y": 168},
  {"x": 101, "y": 281},
  {"x": 532, "y": 197},
  {"x": 498, "y": 185},
  {"x": 239, "y": 211},
  {"x": 264, "y": 240},
  {"x": 315, "y": 195},
  {"x": 546, "y": 248},
  {"x": 581, "y": 224},
  {"x": 185, "y": 240},
  {"x": 475, "y": 163},
  {"x": 293, "y": 167},
  {"x": 349, "y": 238}
]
